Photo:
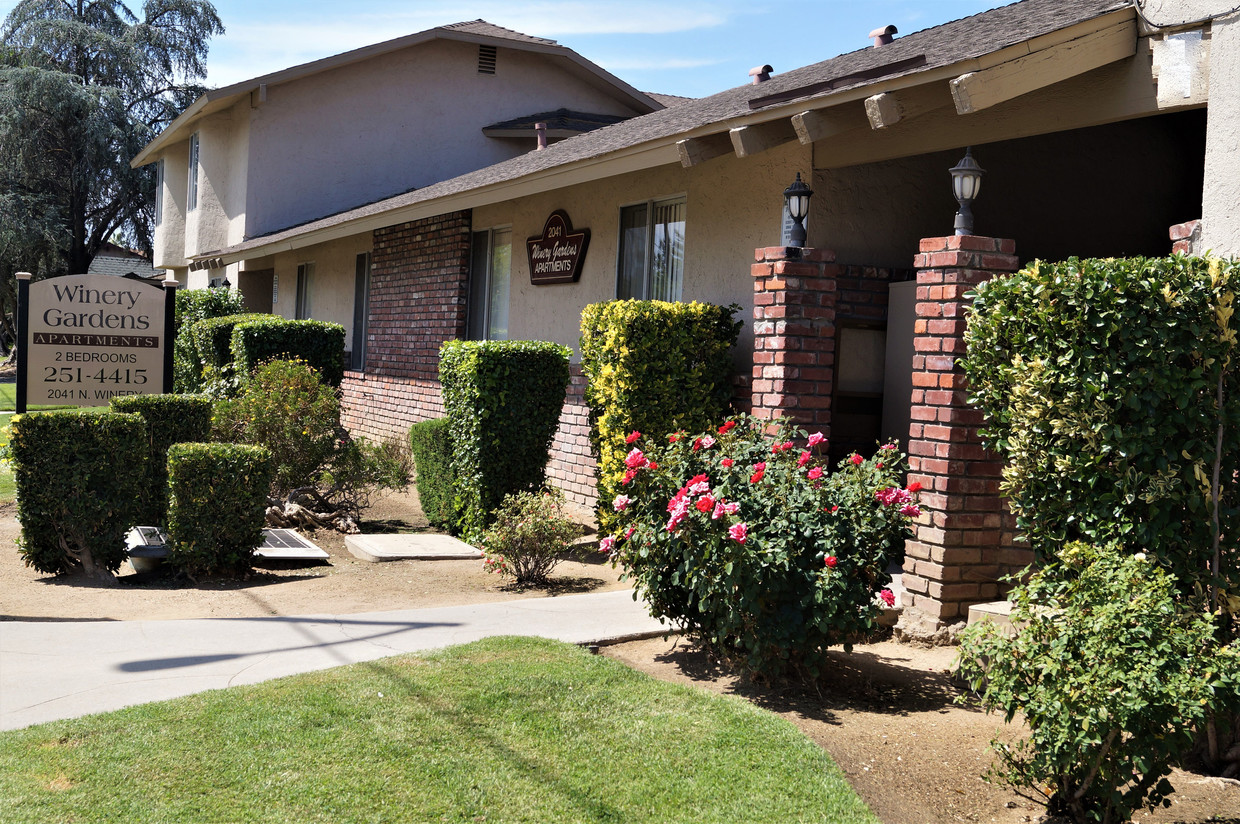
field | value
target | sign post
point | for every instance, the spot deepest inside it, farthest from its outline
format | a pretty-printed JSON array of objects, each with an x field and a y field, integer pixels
[{"x": 85, "y": 339}]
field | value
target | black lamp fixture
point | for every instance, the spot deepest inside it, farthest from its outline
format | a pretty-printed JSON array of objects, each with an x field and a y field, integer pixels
[
  {"x": 966, "y": 182},
  {"x": 226, "y": 284},
  {"x": 797, "y": 197}
]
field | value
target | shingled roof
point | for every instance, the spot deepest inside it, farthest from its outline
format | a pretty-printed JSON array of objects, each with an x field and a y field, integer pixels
[
  {"x": 937, "y": 47},
  {"x": 485, "y": 29}
]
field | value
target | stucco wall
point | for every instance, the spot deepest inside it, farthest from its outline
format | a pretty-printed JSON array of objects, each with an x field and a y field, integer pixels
[
  {"x": 333, "y": 283},
  {"x": 169, "y": 239},
  {"x": 404, "y": 120},
  {"x": 1220, "y": 217},
  {"x": 223, "y": 151}
]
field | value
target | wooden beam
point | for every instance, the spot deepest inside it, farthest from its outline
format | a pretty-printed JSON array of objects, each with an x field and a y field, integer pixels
[
  {"x": 752, "y": 140},
  {"x": 695, "y": 150},
  {"x": 821, "y": 124},
  {"x": 889, "y": 108},
  {"x": 978, "y": 90}
]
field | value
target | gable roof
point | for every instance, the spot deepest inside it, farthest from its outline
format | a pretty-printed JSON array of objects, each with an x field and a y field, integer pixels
[
  {"x": 473, "y": 31},
  {"x": 650, "y": 140}
]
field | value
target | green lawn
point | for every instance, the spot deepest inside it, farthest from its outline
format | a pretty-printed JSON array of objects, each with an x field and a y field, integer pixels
[{"x": 503, "y": 730}]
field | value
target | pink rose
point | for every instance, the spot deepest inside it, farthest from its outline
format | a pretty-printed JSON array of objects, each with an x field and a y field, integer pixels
[
  {"x": 607, "y": 544},
  {"x": 738, "y": 532},
  {"x": 816, "y": 439},
  {"x": 803, "y": 460},
  {"x": 707, "y": 441},
  {"x": 634, "y": 435},
  {"x": 911, "y": 510},
  {"x": 635, "y": 459},
  {"x": 888, "y": 597},
  {"x": 814, "y": 474},
  {"x": 621, "y": 503}
]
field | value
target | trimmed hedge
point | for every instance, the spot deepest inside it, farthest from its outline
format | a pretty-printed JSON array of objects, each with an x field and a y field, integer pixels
[
  {"x": 213, "y": 339},
  {"x": 503, "y": 400},
  {"x": 193, "y": 305},
  {"x": 169, "y": 419},
  {"x": 655, "y": 368},
  {"x": 216, "y": 507},
  {"x": 264, "y": 338},
  {"x": 79, "y": 485},
  {"x": 431, "y": 445}
]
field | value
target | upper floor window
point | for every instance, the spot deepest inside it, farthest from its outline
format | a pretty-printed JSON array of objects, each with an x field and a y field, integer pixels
[
  {"x": 652, "y": 250},
  {"x": 489, "y": 276},
  {"x": 192, "y": 199},
  {"x": 159, "y": 191}
]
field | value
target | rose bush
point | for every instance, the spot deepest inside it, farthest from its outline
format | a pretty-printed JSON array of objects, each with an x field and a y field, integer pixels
[{"x": 749, "y": 543}]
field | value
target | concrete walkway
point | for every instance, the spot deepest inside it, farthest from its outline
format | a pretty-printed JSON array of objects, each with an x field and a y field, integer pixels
[{"x": 62, "y": 669}]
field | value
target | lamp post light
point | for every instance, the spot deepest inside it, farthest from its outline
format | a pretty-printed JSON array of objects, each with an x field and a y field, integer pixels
[
  {"x": 797, "y": 197},
  {"x": 966, "y": 182}
]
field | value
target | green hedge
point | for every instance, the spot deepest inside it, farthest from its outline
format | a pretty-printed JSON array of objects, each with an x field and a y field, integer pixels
[
  {"x": 503, "y": 400},
  {"x": 169, "y": 419},
  {"x": 213, "y": 340},
  {"x": 192, "y": 306},
  {"x": 264, "y": 338},
  {"x": 1100, "y": 381},
  {"x": 217, "y": 505},
  {"x": 79, "y": 484},
  {"x": 655, "y": 368},
  {"x": 431, "y": 445}
]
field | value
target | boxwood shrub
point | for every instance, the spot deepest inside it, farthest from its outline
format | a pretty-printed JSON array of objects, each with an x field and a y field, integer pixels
[
  {"x": 503, "y": 401},
  {"x": 655, "y": 368},
  {"x": 169, "y": 419},
  {"x": 212, "y": 345},
  {"x": 79, "y": 486},
  {"x": 193, "y": 305},
  {"x": 431, "y": 445},
  {"x": 217, "y": 505},
  {"x": 264, "y": 338}
]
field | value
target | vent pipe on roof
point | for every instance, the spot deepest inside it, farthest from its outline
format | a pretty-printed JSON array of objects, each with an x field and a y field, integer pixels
[
  {"x": 540, "y": 131},
  {"x": 760, "y": 74},
  {"x": 883, "y": 36}
]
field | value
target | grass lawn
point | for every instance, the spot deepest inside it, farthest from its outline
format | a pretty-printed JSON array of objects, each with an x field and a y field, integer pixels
[{"x": 503, "y": 730}]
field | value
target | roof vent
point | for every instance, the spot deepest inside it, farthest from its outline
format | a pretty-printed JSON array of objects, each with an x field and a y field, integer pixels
[
  {"x": 760, "y": 74},
  {"x": 883, "y": 36},
  {"x": 486, "y": 59},
  {"x": 540, "y": 132}
]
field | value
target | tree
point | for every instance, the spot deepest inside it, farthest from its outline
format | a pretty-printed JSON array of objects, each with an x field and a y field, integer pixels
[{"x": 84, "y": 85}]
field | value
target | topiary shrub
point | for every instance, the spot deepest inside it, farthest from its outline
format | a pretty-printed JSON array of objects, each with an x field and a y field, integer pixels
[
  {"x": 264, "y": 338},
  {"x": 169, "y": 419},
  {"x": 216, "y": 506},
  {"x": 193, "y": 305},
  {"x": 749, "y": 543},
  {"x": 212, "y": 341},
  {"x": 79, "y": 486},
  {"x": 1112, "y": 676},
  {"x": 1110, "y": 387},
  {"x": 529, "y": 536},
  {"x": 503, "y": 401},
  {"x": 431, "y": 445},
  {"x": 656, "y": 368}
]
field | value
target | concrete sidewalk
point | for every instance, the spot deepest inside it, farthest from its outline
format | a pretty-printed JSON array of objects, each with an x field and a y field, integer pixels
[{"x": 62, "y": 669}]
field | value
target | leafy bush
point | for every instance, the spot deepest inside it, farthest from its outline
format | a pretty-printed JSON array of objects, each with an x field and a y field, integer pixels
[
  {"x": 1110, "y": 673},
  {"x": 431, "y": 444},
  {"x": 265, "y": 337},
  {"x": 361, "y": 470},
  {"x": 79, "y": 484},
  {"x": 653, "y": 367},
  {"x": 749, "y": 543},
  {"x": 217, "y": 503},
  {"x": 286, "y": 409},
  {"x": 193, "y": 305},
  {"x": 503, "y": 400},
  {"x": 169, "y": 419},
  {"x": 212, "y": 346},
  {"x": 529, "y": 536},
  {"x": 1110, "y": 387}
]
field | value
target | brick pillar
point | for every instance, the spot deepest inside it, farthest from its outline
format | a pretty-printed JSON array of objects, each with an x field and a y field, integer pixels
[
  {"x": 962, "y": 542},
  {"x": 794, "y": 334},
  {"x": 1186, "y": 237}
]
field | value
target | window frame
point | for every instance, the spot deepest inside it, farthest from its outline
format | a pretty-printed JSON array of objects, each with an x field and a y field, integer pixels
[
  {"x": 302, "y": 306},
  {"x": 191, "y": 195},
  {"x": 647, "y": 274},
  {"x": 479, "y": 313},
  {"x": 361, "y": 311}
]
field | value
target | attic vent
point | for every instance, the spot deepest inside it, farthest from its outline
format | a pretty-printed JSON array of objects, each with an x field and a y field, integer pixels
[{"x": 486, "y": 60}]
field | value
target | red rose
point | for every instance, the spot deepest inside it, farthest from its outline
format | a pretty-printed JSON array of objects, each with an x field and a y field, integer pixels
[
  {"x": 856, "y": 459},
  {"x": 831, "y": 561},
  {"x": 634, "y": 435},
  {"x": 915, "y": 486}
]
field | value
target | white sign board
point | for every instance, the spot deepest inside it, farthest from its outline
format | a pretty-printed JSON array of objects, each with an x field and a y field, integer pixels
[{"x": 91, "y": 338}]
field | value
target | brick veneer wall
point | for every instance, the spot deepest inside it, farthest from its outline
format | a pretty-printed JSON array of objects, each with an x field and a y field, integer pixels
[
  {"x": 572, "y": 462},
  {"x": 964, "y": 540},
  {"x": 862, "y": 293},
  {"x": 1186, "y": 237}
]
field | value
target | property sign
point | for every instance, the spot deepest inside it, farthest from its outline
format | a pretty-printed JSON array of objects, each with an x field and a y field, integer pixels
[
  {"x": 556, "y": 255},
  {"x": 89, "y": 338}
]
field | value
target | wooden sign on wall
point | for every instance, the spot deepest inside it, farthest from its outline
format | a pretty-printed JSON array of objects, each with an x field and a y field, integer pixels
[{"x": 556, "y": 255}]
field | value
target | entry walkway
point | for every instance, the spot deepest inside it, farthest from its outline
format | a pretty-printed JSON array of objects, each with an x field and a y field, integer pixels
[{"x": 63, "y": 669}]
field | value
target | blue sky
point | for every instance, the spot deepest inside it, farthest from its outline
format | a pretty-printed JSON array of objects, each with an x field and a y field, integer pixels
[{"x": 686, "y": 47}]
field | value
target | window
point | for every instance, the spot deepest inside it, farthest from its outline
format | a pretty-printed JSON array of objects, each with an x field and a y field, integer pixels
[
  {"x": 305, "y": 280},
  {"x": 652, "y": 250},
  {"x": 159, "y": 191},
  {"x": 361, "y": 310},
  {"x": 192, "y": 198},
  {"x": 490, "y": 267}
]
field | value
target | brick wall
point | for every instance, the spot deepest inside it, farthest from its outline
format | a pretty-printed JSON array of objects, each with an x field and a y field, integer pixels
[
  {"x": 862, "y": 293},
  {"x": 572, "y": 463},
  {"x": 1186, "y": 237},
  {"x": 964, "y": 540}
]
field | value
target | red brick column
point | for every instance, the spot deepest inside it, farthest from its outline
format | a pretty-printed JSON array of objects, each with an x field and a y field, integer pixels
[
  {"x": 794, "y": 334},
  {"x": 962, "y": 542},
  {"x": 1185, "y": 237}
]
